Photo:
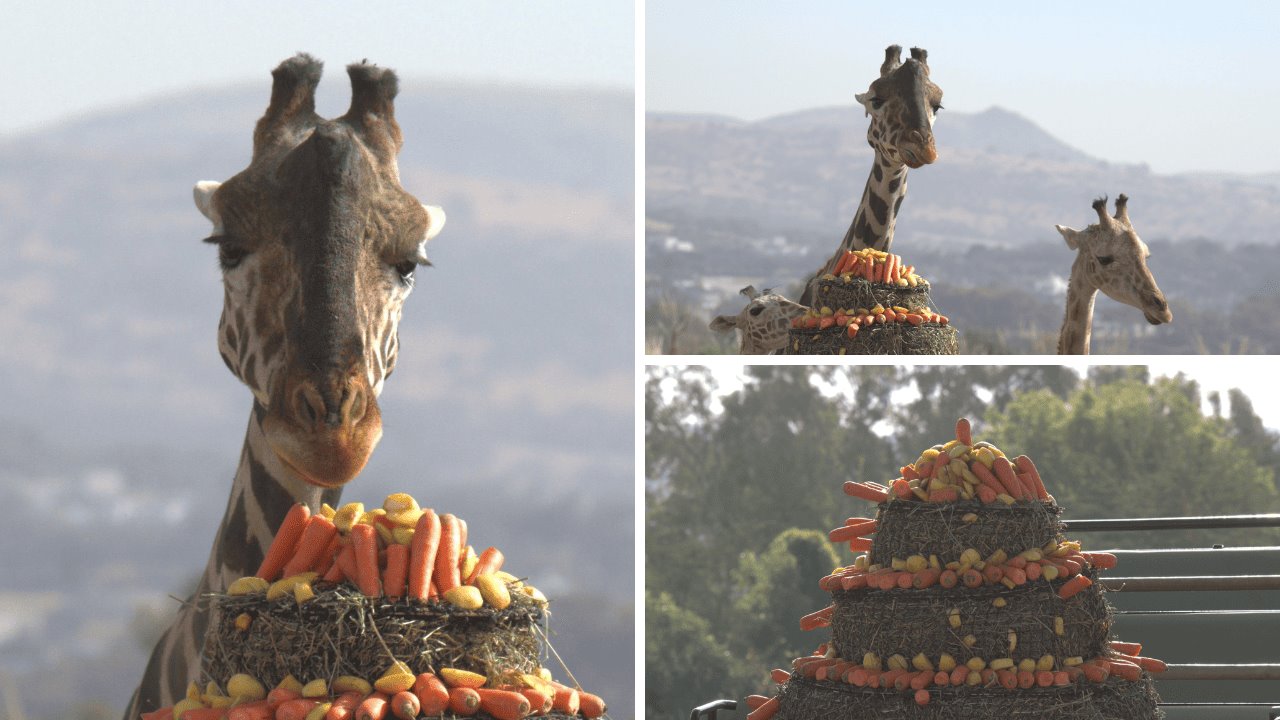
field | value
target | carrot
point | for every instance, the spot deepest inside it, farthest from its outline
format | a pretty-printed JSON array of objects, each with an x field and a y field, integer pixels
[
  {"x": 256, "y": 710},
  {"x": 311, "y": 544},
  {"x": 860, "y": 490},
  {"x": 280, "y": 695},
  {"x": 1033, "y": 570},
  {"x": 986, "y": 478},
  {"x": 164, "y": 713},
  {"x": 859, "y": 544},
  {"x": 903, "y": 580},
  {"x": 852, "y": 330},
  {"x": 964, "y": 433},
  {"x": 447, "y": 558},
  {"x": 902, "y": 489},
  {"x": 422, "y": 554},
  {"x": 948, "y": 578},
  {"x": 327, "y": 558},
  {"x": 779, "y": 675},
  {"x": 1127, "y": 648},
  {"x": 922, "y": 697},
  {"x": 296, "y": 709},
  {"x": 1149, "y": 664},
  {"x": 1124, "y": 669},
  {"x": 971, "y": 578},
  {"x": 992, "y": 573},
  {"x": 986, "y": 494},
  {"x": 944, "y": 495},
  {"x": 1095, "y": 672},
  {"x": 539, "y": 701},
  {"x": 1100, "y": 560},
  {"x": 959, "y": 674},
  {"x": 433, "y": 696},
  {"x": 1073, "y": 586},
  {"x": 1060, "y": 677},
  {"x": 566, "y": 700},
  {"x": 364, "y": 545},
  {"x": 922, "y": 679},
  {"x": 1026, "y": 679},
  {"x": 503, "y": 704},
  {"x": 285, "y": 541},
  {"x": 490, "y": 561},
  {"x": 1017, "y": 575},
  {"x": 373, "y": 707},
  {"x": 915, "y": 319},
  {"x": 764, "y": 712},
  {"x": 817, "y": 619},
  {"x": 204, "y": 714},
  {"x": 926, "y": 578},
  {"x": 1004, "y": 472},
  {"x": 853, "y": 582},
  {"x": 394, "y": 574},
  {"x": 1008, "y": 679},
  {"x": 405, "y": 705},
  {"x": 1025, "y": 465},
  {"x": 851, "y": 531},
  {"x": 1044, "y": 678},
  {"x": 344, "y": 706}
]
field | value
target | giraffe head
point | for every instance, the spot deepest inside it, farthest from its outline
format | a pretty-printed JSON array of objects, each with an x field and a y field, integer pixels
[
  {"x": 902, "y": 103},
  {"x": 764, "y": 322},
  {"x": 318, "y": 245},
  {"x": 1112, "y": 258}
]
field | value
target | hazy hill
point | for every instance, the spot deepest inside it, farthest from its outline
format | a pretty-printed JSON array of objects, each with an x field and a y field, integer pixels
[
  {"x": 511, "y": 405},
  {"x": 730, "y": 202}
]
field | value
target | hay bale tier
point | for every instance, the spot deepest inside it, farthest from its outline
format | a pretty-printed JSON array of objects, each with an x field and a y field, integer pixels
[
  {"x": 968, "y": 602},
  {"x": 909, "y": 327}
]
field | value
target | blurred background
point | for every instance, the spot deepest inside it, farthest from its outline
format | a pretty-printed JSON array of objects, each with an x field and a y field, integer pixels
[
  {"x": 756, "y": 158},
  {"x": 744, "y": 470},
  {"x": 513, "y": 402}
]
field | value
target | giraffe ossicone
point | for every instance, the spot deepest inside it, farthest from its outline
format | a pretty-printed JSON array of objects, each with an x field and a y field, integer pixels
[
  {"x": 318, "y": 245},
  {"x": 1112, "y": 258}
]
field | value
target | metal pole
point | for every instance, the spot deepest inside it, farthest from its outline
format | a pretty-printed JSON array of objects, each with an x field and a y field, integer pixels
[
  {"x": 710, "y": 709},
  {"x": 1203, "y": 522},
  {"x": 1192, "y": 582},
  {"x": 1261, "y": 671}
]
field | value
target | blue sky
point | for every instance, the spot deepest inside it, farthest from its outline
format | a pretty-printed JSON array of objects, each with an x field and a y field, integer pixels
[
  {"x": 1178, "y": 85},
  {"x": 64, "y": 58}
]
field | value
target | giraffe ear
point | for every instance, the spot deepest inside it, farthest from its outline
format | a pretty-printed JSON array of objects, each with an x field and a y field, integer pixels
[
  {"x": 203, "y": 193},
  {"x": 864, "y": 99},
  {"x": 724, "y": 323},
  {"x": 1071, "y": 236},
  {"x": 435, "y": 223}
]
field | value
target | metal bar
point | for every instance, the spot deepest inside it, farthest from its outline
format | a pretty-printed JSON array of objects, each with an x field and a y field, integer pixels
[
  {"x": 710, "y": 709},
  {"x": 1192, "y": 582},
  {"x": 1203, "y": 522},
  {"x": 1261, "y": 671},
  {"x": 1199, "y": 613}
]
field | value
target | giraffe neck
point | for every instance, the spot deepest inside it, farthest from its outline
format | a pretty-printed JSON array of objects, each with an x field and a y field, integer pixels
[
  {"x": 872, "y": 225},
  {"x": 1077, "y": 324},
  {"x": 263, "y": 491}
]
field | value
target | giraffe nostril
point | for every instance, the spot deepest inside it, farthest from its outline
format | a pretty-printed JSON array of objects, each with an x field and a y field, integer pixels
[{"x": 308, "y": 406}]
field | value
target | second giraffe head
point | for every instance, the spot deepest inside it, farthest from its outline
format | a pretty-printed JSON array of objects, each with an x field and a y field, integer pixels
[{"x": 902, "y": 103}]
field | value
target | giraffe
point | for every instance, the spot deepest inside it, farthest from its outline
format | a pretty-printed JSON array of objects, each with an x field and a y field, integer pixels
[
  {"x": 1112, "y": 258},
  {"x": 318, "y": 244},
  {"x": 902, "y": 104},
  {"x": 764, "y": 322}
]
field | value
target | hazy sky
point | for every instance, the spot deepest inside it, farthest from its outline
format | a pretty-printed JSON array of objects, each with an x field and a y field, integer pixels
[
  {"x": 64, "y": 58},
  {"x": 1178, "y": 85}
]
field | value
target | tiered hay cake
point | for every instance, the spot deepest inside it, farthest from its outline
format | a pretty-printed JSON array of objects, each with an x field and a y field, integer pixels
[
  {"x": 380, "y": 615},
  {"x": 872, "y": 305},
  {"x": 968, "y": 603}
]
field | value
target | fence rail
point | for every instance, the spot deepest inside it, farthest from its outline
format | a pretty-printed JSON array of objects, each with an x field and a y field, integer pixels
[{"x": 1202, "y": 522}]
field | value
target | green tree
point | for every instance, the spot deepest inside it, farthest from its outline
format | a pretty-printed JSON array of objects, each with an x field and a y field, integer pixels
[
  {"x": 685, "y": 664},
  {"x": 778, "y": 587}
]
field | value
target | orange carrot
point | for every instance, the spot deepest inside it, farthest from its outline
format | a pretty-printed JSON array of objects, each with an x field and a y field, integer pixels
[
  {"x": 764, "y": 712},
  {"x": 1101, "y": 560},
  {"x": 204, "y": 714},
  {"x": 755, "y": 701},
  {"x": 567, "y": 700},
  {"x": 463, "y": 701},
  {"x": 964, "y": 433},
  {"x": 164, "y": 713},
  {"x": 852, "y": 530},
  {"x": 256, "y": 710},
  {"x": 1025, "y": 465},
  {"x": 1149, "y": 664},
  {"x": 944, "y": 495},
  {"x": 364, "y": 544},
  {"x": 922, "y": 679},
  {"x": 948, "y": 578},
  {"x": 926, "y": 577},
  {"x": 1008, "y": 679},
  {"x": 817, "y": 619},
  {"x": 1094, "y": 671},
  {"x": 422, "y": 555},
  {"x": 904, "y": 580},
  {"x": 971, "y": 578},
  {"x": 779, "y": 675},
  {"x": 1128, "y": 648},
  {"x": 344, "y": 706},
  {"x": 1073, "y": 586},
  {"x": 992, "y": 573},
  {"x": 278, "y": 696},
  {"x": 922, "y": 697},
  {"x": 394, "y": 574},
  {"x": 860, "y": 490},
  {"x": 1017, "y": 575},
  {"x": 347, "y": 560},
  {"x": 283, "y": 545},
  {"x": 433, "y": 696},
  {"x": 859, "y": 544},
  {"x": 311, "y": 544},
  {"x": 330, "y": 554},
  {"x": 959, "y": 674},
  {"x": 503, "y": 704},
  {"x": 447, "y": 558},
  {"x": 490, "y": 561},
  {"x": 986, "y": 478},
  {"x": 1060, "y": 677},
  {"x": 1004, "y": 472},
  {"x": 902, "y": 489},
  {"x": 1033, "y": 570},
  {"x": 1124, "y": 669},
  {"x": 1044, "y": 678},
  {"x": 373, "y": 707},
  {"x": 296, "y": 709},
  {"x": 1026, "y": 679},
  {"x": 405, "y": 705},
  {"x": 853, "y": 582}
]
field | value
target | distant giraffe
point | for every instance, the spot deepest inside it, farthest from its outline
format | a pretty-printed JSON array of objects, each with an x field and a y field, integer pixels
[
  {"x": 902, "y": 104},
  {"x": 763, "y": 323},
  {"x": 1112, "y": 258},
  {"x": 318, "y": 245}
]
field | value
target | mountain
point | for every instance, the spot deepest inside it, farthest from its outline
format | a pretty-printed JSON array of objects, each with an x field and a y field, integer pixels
[
  {"x": 731, "y": 203},
  {"x": 511, "y": 406}
]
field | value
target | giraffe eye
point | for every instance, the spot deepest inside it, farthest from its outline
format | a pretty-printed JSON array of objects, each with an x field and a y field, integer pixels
[
  {"x": 405, "y": 270},
  {"x": 937, "y": 107},
  {"x": 756, "y": 310},
  {"x": 230, "y": 256},
  {"x": 876, "y": 102},
  {"x": 1106, "y": 260}
]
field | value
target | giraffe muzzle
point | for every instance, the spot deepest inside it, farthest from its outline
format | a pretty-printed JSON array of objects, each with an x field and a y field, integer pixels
[
  {"x": 326, "y": 433},
  {"x": 1156, "y": 309},
  {"x": 918, "y": 150}
]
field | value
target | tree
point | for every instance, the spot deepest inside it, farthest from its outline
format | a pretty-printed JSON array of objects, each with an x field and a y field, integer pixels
[
  {"x": 684, "y": 664},
  {"x": 778, "y": 587}
]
